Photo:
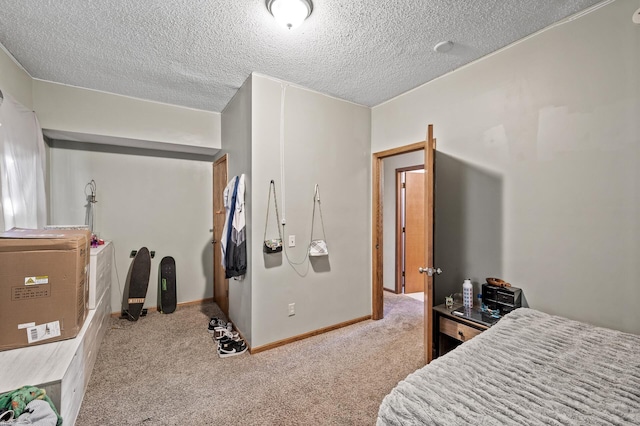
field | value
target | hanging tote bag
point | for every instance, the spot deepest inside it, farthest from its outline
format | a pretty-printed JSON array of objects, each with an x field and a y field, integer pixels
[
  {"x": 273, "y": 245},
  {"x": 318, "y": 247}
]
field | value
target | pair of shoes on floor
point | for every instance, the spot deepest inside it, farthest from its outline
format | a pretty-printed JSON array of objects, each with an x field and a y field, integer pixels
[
  {"x": 217, "y": 323},
  {"x": 231, "y": 347}
]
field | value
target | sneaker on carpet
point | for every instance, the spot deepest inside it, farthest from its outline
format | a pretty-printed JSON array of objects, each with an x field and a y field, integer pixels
[
  {"x": 219, "y": 332},
  {"x": 231, "y": 348},
  {"x": 219, "y": 322},
  {"x": 213, "y": 323},
  {"x": 229, "y": 338}
]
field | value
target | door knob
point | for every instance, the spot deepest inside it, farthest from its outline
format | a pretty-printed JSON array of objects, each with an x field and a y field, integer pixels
[{"x": 430, "y": 271}]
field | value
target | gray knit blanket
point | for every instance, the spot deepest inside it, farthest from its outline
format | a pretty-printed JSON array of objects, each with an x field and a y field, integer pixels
[{"x": 530, "y": 368}]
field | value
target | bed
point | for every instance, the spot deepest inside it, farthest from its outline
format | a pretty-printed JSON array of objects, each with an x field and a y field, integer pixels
[{"x": 530, "y": 368}]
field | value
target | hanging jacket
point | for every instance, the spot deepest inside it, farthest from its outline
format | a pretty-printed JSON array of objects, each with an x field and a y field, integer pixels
[
  {"x": 226, "y": 196},
  {"x": 233, "y": 244}
]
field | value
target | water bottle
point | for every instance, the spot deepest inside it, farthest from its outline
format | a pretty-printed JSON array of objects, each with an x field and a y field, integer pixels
[{"x": 467, "y": 293}]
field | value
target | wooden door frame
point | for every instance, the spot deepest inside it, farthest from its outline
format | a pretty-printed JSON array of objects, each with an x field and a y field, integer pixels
[
  {"x": 377, "y": 288},
  {"x": 223, "y": 158},
  {"x": 430, "y": 181},
  {"x": 399, "y": 247}
]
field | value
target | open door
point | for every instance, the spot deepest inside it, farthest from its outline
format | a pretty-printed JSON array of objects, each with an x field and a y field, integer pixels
[
  {"x": 409, "y": 229},
  {"x": 414, "y": 242},
  {"x": 429, "y": 271},
  {"x": 377, "y": 297},
  {"x": 220, "y": 283}
]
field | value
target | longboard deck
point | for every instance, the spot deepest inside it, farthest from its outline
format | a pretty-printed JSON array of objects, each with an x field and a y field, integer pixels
[
  {"x": 139, "y": 283},
  {"x": 167, "y": 282}
]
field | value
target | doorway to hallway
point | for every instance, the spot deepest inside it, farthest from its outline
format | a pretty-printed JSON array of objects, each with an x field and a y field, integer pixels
[
  {"x": 428, "y": 147},
  {"x": 409, "y": 235}
]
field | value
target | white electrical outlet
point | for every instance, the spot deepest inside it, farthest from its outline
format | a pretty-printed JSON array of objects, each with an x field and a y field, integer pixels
[
  {"x": 292, "y": 309},
  {"x": 292, "y": 240}
]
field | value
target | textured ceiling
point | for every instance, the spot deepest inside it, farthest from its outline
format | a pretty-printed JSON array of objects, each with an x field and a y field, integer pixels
[{"x": 197, "y": 53}]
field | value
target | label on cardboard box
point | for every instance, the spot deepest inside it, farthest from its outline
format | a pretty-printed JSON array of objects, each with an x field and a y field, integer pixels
[
  {"x": 26, "y": 325},
  {"x": 36, "y": 280},
  {"x": 30, "y": 292},
  {"x": 43, "y": 332}
]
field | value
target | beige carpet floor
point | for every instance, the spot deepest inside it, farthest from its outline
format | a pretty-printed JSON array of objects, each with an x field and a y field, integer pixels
[{"x": 164, "y": 370}]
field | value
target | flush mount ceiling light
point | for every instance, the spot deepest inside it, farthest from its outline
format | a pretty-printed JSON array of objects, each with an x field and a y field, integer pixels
[{"x": 290, "y": 13}]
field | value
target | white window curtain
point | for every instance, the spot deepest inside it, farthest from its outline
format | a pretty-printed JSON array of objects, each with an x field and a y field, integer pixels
[{"x": 23, "y": 201}]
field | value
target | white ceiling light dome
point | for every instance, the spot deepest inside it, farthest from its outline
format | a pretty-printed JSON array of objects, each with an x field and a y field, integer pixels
[{"x": 290, "y": 13}]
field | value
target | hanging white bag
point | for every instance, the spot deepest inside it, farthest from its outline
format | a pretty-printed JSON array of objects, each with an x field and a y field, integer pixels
[
  {"x": 273, "y": 245},
  {"x": 318, "y": 247}
]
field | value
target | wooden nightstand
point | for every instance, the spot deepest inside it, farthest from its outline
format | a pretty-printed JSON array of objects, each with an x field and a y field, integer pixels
[{"x": 451, "y": 330}]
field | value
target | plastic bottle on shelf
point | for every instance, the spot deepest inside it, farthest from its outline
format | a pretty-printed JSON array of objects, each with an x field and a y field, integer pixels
[{"x": 467, "y": 293}]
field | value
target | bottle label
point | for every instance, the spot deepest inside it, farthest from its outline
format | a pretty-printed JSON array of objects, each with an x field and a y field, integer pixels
[{"x": 467, "y": 298}]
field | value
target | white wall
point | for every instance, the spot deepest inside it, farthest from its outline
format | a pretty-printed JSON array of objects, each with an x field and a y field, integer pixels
[
  {"x": 327, "y": 141},
  {"x": 73, "y": 109},
  {"x": 144, "y": 199},
  {"x": 549, "y": 130},
  {"x": 390, "y": 164},
  {"x": 236, "y": 142},
  {"x": 15, "y": 80}
]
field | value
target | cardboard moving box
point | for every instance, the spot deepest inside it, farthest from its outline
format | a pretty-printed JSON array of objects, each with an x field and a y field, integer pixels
[{"x": 43, "y": 285}]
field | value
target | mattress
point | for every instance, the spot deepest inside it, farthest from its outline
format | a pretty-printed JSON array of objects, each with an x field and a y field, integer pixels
[{"x": 530, "y": 368}]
